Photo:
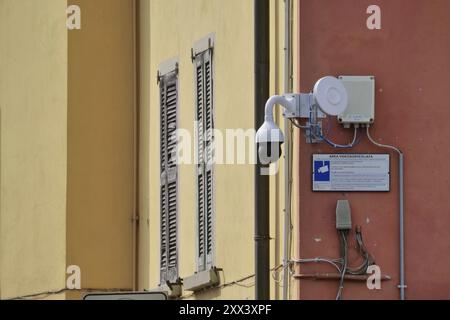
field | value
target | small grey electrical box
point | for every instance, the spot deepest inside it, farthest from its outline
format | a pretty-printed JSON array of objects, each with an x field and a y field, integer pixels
[
  {"x": 343, "y": 215},
  {"x": 361, "y": 100}
]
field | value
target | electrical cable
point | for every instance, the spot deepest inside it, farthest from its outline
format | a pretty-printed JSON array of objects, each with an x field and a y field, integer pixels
[
  {"x": 382, "y": 145},
  {"x": 44, "y": 295},
  {"x": 340, "y": 146},
  {"x": 324, "y": 137},
  {"x": 296, "y": 124},
  {"x": 319, "y": 260},
  {"x": 368, "y": 260},
  {"x": 341, "y": 264},
  {"x": 344, "y": 254},
  {"x": 276, "y": 278}
]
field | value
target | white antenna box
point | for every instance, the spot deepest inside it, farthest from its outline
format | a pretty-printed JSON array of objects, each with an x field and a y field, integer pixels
[{"x": 361, "y": 101}]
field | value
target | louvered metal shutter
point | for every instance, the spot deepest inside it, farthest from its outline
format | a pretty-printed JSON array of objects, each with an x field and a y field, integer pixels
[
  {"x": 205, "y": 152},
  {"x": 169, "y": 177}
]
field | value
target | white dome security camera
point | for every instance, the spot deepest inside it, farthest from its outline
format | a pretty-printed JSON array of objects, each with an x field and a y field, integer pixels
[
  {"x": 269, "y": 139},
  {"x": 269, "y": 152},
  {"x": 329, "y": 95}
]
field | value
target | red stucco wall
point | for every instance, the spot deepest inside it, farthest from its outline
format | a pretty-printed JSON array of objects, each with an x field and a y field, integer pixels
[{"x": 410, "y": 58}]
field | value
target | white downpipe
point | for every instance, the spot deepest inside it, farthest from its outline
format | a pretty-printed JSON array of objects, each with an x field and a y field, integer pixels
[{"x": 287, "y": 152}]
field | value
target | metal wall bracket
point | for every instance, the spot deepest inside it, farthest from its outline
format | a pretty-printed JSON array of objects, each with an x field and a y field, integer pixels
[
  {"x": 306, "y": 108},
  {"x": 305, "y": 105},
  {"x": 314, "y": 134}
]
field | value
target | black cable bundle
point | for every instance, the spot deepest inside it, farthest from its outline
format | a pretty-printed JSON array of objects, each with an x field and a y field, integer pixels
[
  {"x": 344, "y": 257},
  {"x": 360, "y": 270}
]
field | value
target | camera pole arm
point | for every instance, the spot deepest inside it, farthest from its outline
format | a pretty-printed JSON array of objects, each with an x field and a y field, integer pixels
[{"x": 288, "y": 102}]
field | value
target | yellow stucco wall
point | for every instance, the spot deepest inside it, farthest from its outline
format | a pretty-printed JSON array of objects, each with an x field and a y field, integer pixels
[
  {"x": 145, "y": 88},
  {"x": 33, "y": 106},
  {"x": 276, "y": 182},
  {"x": 277, "y": 185},
  {"x": 100, "y": 144},
  {"x": 95, "y": 64},
  {"x": 175, "y": 25},
  {"x": 169, "y": 29}
]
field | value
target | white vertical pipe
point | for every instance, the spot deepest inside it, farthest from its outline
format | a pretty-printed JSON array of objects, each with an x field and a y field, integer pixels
[
  {"x": 287, "y": 152},
  {"x": 401, "y": 190},
  {"x": 135, "y": 215},
  {"x": 402, "y": 226}
]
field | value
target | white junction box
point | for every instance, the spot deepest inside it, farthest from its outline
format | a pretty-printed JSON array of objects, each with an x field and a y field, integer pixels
[{"x": 361, "y": 100}]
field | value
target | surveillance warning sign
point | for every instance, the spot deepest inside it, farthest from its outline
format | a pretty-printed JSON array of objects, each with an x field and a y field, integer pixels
[{"x": 351, "y": 172}]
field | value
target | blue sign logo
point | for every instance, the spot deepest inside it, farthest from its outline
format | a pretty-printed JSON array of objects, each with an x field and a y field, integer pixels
[{"x": 322, "y": 171}]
